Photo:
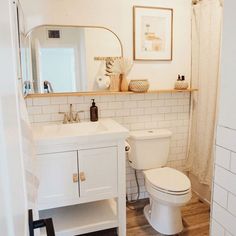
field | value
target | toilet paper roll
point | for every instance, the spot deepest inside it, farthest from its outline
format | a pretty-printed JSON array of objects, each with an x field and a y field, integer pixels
[
  {"x": 127, "y": 147},
  {"x": 103, "y": 82}
]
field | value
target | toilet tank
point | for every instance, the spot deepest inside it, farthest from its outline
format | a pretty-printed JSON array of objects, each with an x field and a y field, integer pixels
[{"x": 149, "y": 148}]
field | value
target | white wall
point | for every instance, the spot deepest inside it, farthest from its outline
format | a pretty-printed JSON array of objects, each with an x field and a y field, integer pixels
[
  {"x": 224, "y": 194},
  {"x": 117, "y": 15}
]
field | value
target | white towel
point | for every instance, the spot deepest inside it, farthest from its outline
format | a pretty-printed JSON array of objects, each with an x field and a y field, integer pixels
[{"x": 32, "y": 182}]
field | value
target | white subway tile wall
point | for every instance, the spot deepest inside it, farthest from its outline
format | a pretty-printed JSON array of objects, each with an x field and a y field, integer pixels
[
  {"x": 224, "y": 192},
  {"x": 135, "y": 112}
]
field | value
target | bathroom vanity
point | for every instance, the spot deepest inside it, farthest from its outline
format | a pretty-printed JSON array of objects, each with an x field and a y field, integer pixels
[{"x": 82, "y": 176}]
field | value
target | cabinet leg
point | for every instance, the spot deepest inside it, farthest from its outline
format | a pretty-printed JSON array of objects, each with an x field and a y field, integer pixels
[
  {"x": 122, "y": 217},
  {"x": 121, "y": 200}
]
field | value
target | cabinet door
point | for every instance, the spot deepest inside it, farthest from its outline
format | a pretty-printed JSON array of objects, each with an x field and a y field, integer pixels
[
  {"x": 98, "y": 172},
  {"x": 58, "y": 174}
]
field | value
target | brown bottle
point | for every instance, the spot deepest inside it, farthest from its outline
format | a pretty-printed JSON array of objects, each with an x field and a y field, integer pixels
[{"x": 93, "y": 112}]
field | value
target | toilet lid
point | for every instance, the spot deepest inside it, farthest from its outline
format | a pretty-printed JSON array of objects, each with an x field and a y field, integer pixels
[
  {"x": 149, "y": 134},
  {"x": 168, "y": 179}
]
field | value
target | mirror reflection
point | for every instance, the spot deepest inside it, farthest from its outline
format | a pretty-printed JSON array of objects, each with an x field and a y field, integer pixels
[{"x": 68, "y": 59}]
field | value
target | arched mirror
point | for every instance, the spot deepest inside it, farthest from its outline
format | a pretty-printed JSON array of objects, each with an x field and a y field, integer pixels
[{"x": 68, "y": 58}]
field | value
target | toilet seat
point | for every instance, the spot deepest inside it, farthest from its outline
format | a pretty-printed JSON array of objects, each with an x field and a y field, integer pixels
[
  {"x": 168, "y": 180},
  {"x": 168, "y": 192}
]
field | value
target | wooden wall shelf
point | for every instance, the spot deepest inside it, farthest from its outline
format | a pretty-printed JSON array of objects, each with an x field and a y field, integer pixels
[{"x": 107, "y": 93}]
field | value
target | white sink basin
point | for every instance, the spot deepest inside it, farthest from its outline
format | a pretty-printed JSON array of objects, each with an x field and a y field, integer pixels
[
  {"x": 68, "y": 129},
  {"x": 106, "y": 127}
]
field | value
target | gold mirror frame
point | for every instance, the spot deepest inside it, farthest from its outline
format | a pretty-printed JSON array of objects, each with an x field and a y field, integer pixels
[{"x": 81, "y": 26}]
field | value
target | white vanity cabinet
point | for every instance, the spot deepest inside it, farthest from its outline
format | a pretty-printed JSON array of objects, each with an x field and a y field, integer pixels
[
  {"x": 72, "y": 177},
  {"x": 82, "y": 176}
]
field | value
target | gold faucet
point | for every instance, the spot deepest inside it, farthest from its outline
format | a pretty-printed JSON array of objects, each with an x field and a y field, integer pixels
[{"x": 69, "y": 117}]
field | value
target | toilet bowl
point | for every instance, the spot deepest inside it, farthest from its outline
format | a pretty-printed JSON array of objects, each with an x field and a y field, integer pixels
[{"x": 169, "y": 189}]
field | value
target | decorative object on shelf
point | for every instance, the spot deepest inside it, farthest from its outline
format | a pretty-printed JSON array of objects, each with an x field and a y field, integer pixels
[
  {"x": 114, "y": 83},
  {"x": 122, "y": 67},
  {"x": 124, "y": 85},
  {"x": 107, "y": 78},
  {"x": 103, "y": 82},
  {"x": 152, "y": 33},
  {"x": 181, "y": 83},
  {"x": 139, "y": 86},
  {"x": 109, "y": 66}
]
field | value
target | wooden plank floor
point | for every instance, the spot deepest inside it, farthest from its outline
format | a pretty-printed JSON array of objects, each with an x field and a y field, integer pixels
[{"x": 196, "y": 217}]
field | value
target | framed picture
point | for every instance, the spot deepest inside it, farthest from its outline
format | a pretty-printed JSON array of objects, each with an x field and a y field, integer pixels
[{"x": 152, "y": 33}]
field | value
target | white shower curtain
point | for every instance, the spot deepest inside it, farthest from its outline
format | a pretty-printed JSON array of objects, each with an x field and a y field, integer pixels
[{"x": 206, "y": 42}]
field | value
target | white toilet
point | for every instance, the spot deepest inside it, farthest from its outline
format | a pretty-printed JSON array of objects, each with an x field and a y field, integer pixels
[{"x": 169, "y": 189}]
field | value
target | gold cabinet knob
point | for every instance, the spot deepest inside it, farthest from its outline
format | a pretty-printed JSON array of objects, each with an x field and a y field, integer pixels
[
  {"x": 82, "y": 176},
  {"x": 75, "y": 178}
]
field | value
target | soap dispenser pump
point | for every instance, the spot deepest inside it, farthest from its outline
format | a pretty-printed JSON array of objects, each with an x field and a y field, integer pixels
[{"x": 93, "y": 112}]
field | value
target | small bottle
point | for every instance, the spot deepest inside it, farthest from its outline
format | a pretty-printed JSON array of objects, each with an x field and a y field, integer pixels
[
  {"x": 181, "y": 83},
  {"x": 93, "y": 112}
]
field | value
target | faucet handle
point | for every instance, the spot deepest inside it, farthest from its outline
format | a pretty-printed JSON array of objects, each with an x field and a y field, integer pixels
[
  {"x": 65, "y": 119},
  {"x": 77, "y": 118}
]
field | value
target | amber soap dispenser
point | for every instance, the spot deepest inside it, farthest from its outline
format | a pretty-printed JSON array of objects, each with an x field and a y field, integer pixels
[{"x": 93, "y": 112}]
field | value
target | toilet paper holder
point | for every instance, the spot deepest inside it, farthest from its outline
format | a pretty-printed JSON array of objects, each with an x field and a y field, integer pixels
[{"x": 127, "y": 147}]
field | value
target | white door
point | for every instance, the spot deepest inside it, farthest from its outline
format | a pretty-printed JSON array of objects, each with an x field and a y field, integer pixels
[
  {"x": 98, "y": 172},
  {"x": 13, "y": 202},
  {"x": 58, "y": 179}
]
